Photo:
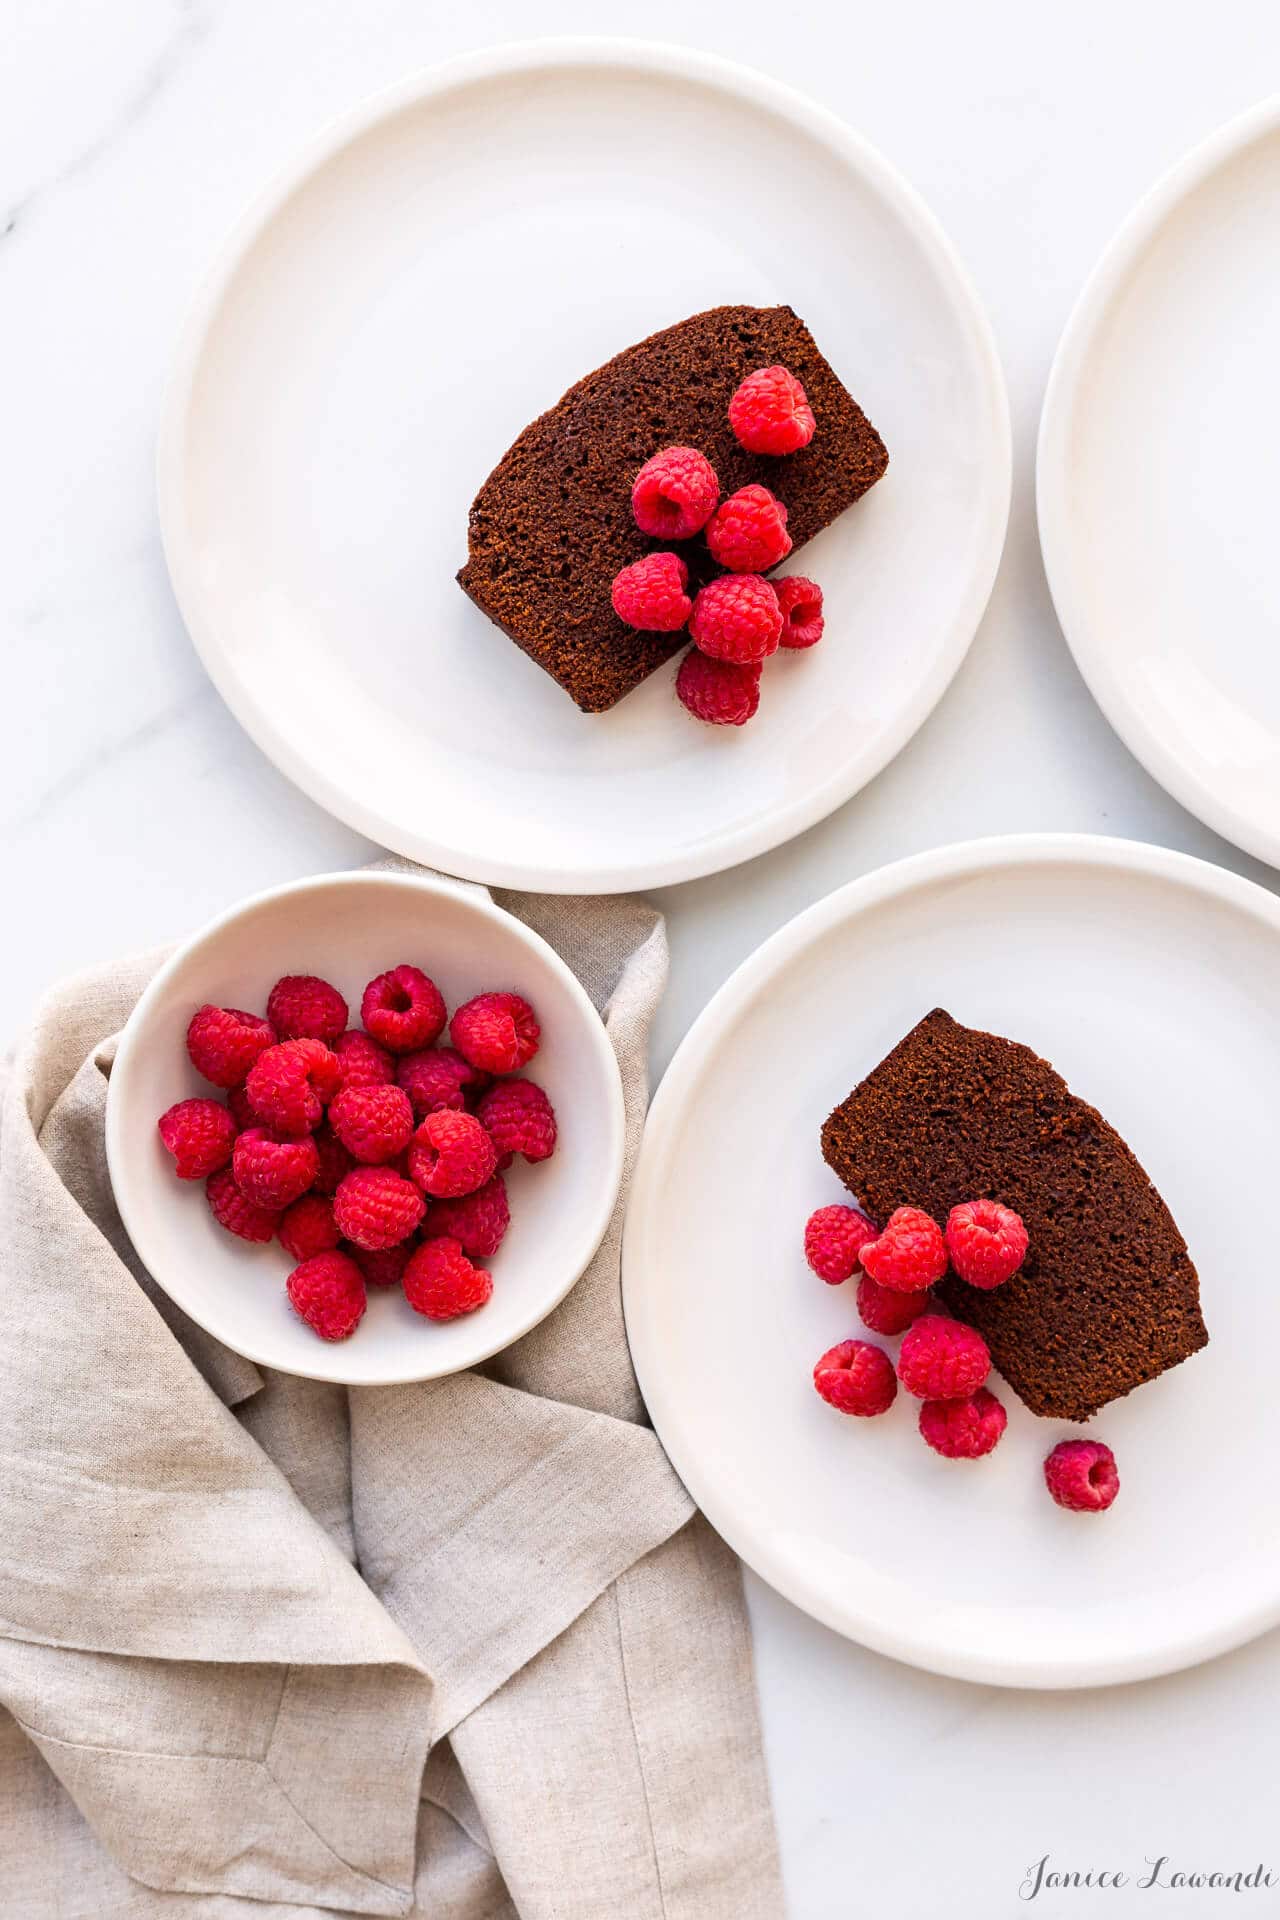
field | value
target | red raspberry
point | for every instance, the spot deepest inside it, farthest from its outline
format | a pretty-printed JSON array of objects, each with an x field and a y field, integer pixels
[
  {"x": 650, "y": 594},
  {"x": 886, "y": 1311},
  {"x": 856, "y": 1377},
  {"x": 438, "y": 1077},
  {"x": 241, "y": 1108},
  {"x": 748, "y": 532},
  {"x": 272, "y": 1169},
  {"x": 224, "y": 1042},
  {"x": 441, "y": 1282},
  {"x": 451, "y": 1154},
  {"x": 800, "y": 602},
  {"x": 497, "y": 1032},
  {"x": 478, "y": 1221},
  {"x": 381, "y": 1266},
  {"x": 328, "y": 1293},
  {"x": 200, "y": 1135},
  {"x": 302, "y": 1007},
  {"x": 736, "y": 618},
  {"x": 770, "y": 413},
  {"x": 335, "y": 1162},
  {"x": 942, "y": 1359},
  {"x": 833, "y": 1241},
  {"x": 987, "y": 1242},
  {"x": 377, "y": 1208},
  {"x": 373, "y": 1123},
  {"x": 724, "y": 693},
  {"x": 239, "y": 1216},
  {"x": 288, "y": 1085},
  {"x": 675, "y": 494},
  {"x": 403, "y": 1009},
  {"x": 364, "y": 1063},
  {"x": 963, "y": 1429},
  {"x": 518, "y": 1118},
  {"x": 309, "y": 1227},
  {"x": 1081, "y": 1475},
  {"x": 910, "y": 1253}
]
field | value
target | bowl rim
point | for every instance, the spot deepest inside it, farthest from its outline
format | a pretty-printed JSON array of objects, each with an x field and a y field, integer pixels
[{"x": 126, "y": 1179}]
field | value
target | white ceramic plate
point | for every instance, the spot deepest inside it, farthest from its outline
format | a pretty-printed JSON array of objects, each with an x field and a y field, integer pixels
[
  {"x": 348, "y": 927},
  {"x": 1157, "y": 482},
  {"x": 1149, "y": 979},
  {"x": 439, "y": 269}
]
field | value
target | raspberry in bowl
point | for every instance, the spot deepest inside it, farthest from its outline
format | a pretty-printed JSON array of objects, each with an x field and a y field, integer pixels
[{"x": 336, "y": 1140}]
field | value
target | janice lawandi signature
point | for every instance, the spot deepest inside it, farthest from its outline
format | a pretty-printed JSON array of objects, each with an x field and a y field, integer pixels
[{"x": 1159, "y": 1873}]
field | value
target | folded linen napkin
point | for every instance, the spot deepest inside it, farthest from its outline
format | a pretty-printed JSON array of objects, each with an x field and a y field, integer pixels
[{"x": 454, "y": 1649}]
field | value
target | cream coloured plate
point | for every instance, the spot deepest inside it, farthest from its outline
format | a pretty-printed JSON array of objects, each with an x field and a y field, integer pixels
[
  {"x": 1149, "y": 979},
  {"x": 1157, "y": 486},
  {"x": 436, "y": 272}
]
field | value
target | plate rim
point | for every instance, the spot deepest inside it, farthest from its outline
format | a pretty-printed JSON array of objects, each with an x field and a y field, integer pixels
[
  {"x": 896, "y": 879},
  {"x": 750, "y": 838},
  {"x": 1103, "y": 288},
  {"x": 327, "y": 1365}
]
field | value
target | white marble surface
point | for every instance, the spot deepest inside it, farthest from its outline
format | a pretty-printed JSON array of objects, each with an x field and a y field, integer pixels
[{"x": 131, "y": 805}]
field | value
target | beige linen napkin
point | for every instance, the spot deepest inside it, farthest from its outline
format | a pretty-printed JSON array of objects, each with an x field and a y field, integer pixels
[{"x": 455, "y": 1649}]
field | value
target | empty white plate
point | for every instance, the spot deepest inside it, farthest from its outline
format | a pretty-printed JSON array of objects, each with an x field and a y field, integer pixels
[
  {"x": 1149, "y": 980},
  {"x": 1157, "y": 482},
  {"x": 439, "y": 269}
]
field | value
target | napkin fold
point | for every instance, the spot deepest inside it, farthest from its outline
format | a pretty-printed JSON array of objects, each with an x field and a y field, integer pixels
[{"x": 459, "y": 1648}]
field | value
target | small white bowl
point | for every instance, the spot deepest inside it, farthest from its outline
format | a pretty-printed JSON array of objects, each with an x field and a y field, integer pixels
[{"x": 347, "y": 928}]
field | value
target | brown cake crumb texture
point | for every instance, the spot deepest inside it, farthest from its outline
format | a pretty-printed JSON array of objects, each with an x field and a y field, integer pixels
[
  {"x": 552, "y": 525},
  {"x": 1108, "y": 1297}
]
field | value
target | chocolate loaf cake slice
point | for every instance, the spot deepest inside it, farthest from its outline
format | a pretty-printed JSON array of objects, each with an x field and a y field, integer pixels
[
  {"x": 552, "y": 524},
  {"x": 1107, "y": 1297}
]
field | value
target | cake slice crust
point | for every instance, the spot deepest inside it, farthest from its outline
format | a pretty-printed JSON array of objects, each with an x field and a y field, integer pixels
[
  {"x": 1108, "y": 1297},
  {"x": 552, "y": 525}
]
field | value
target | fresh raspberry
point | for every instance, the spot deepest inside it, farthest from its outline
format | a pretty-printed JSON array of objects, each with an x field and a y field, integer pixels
[
  {"x": 377, "y": 1208},
  {"x": 364, "y": 1063},
  {"x": 403, "y": 1009},
  {"x": 309, "y": 1227},
  {"x": 963, "y": 1429},
  {"x": 1081, "y": 1475},
  {"x": 289, "y": 1084},
  {"x": 942, "y": 1359},
  {"x": 335, "y": 1162},
  {"x": 441, "y": 1282},
  {"x": 497, "y": 1032},
  {"x": 910, "y": 1253},
  {"x": 239, "y": 1216},
  {"x": 856, "y": 1377},
  {"x": 987, "y": 1242},
  {"x": 451, "y": 1154},
  {"x": 650, "y": 593},
  {"x": 478, "y": 1221},
  {"x": 273, "y": 1169},
  {"x": 381, "y": 1266},
  {"x": 373, "y": 1123},
  {"x": 438, "y": 1077},
  {"x": 224, "y": 1042},
  {"x": 724, "y": 693},
  {"x": 200, "y": 1135},
  {"x": 800, "y": 602},
  {"x": 770, "y": 413},
  {"x": 328, "y": 1293},
  {"x": 518, "y": 1118},
  {"x": 736, "y": 618},
  {"x": 748, "y": 532},
  {"x": 833, "y": 1241},
  {"x": 241, "y": 1108},
  {"x": 303, "y": 1007},
  {"x": 886, "y": 1311},
  {"x": 675, "y": 494}
]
